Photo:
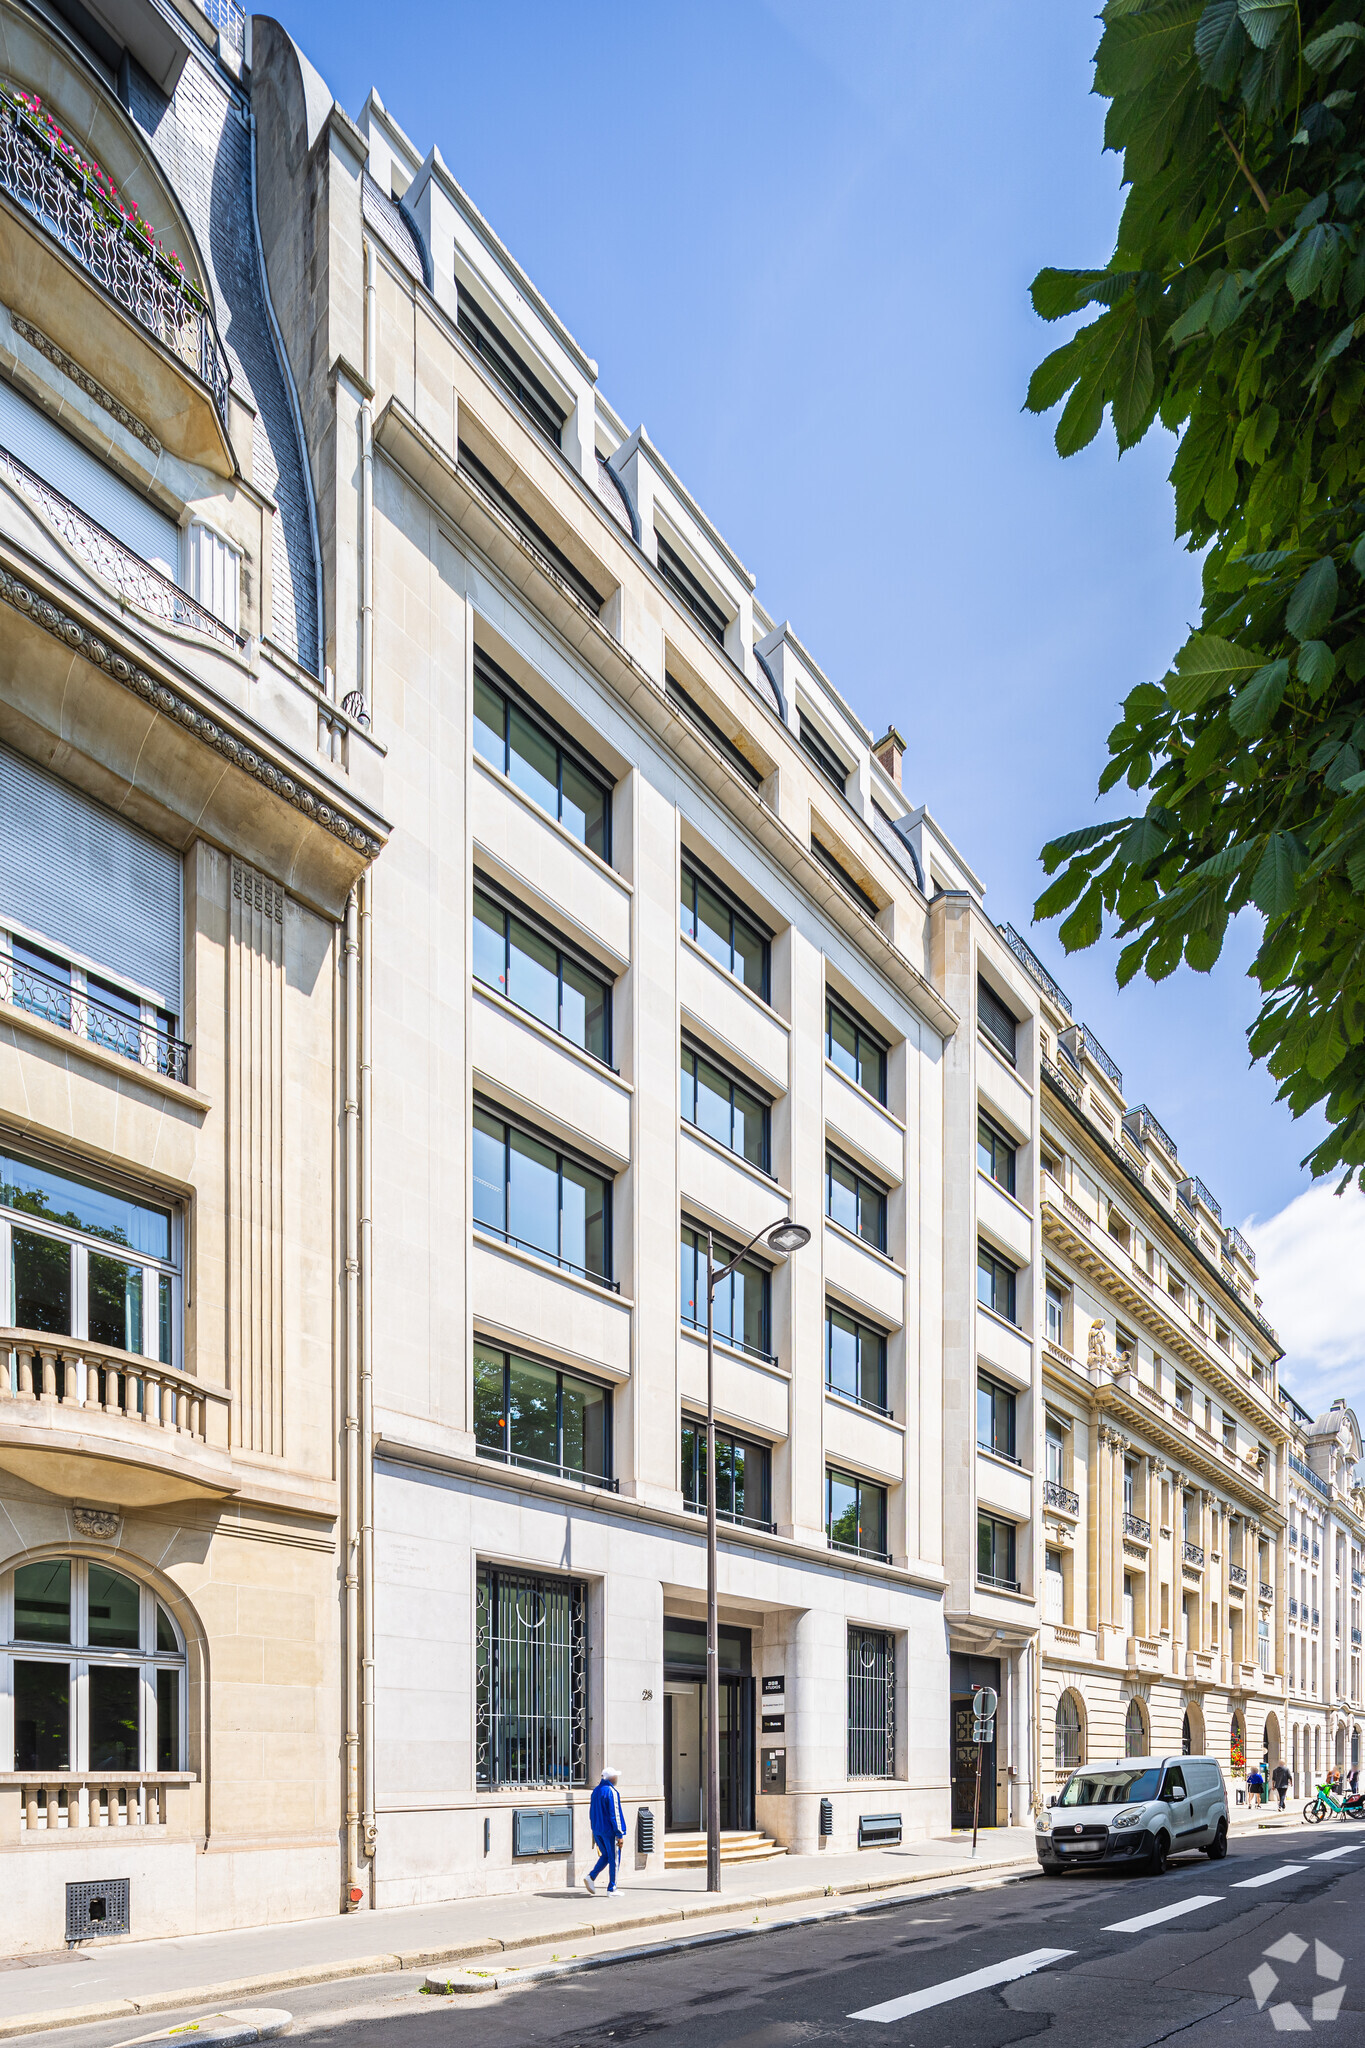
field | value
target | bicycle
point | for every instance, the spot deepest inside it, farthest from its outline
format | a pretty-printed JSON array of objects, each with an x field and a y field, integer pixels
[{"x": 1326, "y": 1802}]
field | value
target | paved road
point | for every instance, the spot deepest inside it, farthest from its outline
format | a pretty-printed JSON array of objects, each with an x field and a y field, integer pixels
[{"x": 1091, "y": 1957}]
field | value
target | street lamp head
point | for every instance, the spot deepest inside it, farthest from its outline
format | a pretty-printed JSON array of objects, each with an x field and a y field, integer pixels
[{"x": 787, "y": 1236}]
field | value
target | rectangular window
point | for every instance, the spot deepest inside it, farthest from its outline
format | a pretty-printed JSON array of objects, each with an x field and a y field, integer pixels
[
  {"x": 854, "y": 1202},
  {"x": 525, "y": 962},
  {"x": 741, "y": 1313},
  {"x": 851, "y": 887},
  {"x": 532, "y": 1414},
  {"x": 871, "y": 1703},
  {"x": 532, "y": 754},
  {"x": 529, "y": 1193},
  {"x": 1129, "y": 1486},
  {"x": 1054, "y": 1451},
  {"x": 855, "y": 1359},
  {"x": 690, "y": 591},
  {"x": 995, "y": 1283},
  {"x": 1184, "y": 1397},
  {"x": 55, "y": 1234},
  {"x": 688, "y": 705},
  {"x": 519, "y": 517},
  {"x": 724, "y": 1108},
  {"x": 822, "y": 753},
  {"x": 995, "y": 1410},
  {"x": 735, "y": 940},
  {"x": 743, "y": 1476},
  {"x": 1056, "y": 1314},
  {"x": 1054, "y": 1589},
  {"x": 998, "y": 1023},
  {"x": 510, "y": 369},
  {"x": 42, "y": 1716},
  {"x": 213, "y": 572},
  {"x": 995, "y": 1542},
  {"x": 994, "y": 1153},
  {"x": 857, "y": 1052},
  {"x": 531, "y": 1694},
  {"x": 855, "y": 1514}
]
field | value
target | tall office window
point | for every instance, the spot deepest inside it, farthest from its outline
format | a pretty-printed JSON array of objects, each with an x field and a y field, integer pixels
[
  {"x": 743, "y": 1475},
  {"x": 995, "y": 1283},
  {"x": 854, "y": 1201},
  {"x": 741, "y": 1313},
  {"x": 855, "y": 1514},
  {"x": 721, "y": 928},
  {"x": 526, "y": 963},
  {"x": 995, "y": 1409},
  {"x": 994, "y": 1152},
  {"x": 532, "y": 1194},
  {"x": 525, "y": 746},
  {"x": 998, "y": 1023},
  {"x": 995, "y": 1553},
  {"x": 527, "y": 1413},
  {"x": 735, "y": 1115},
  {"x": 854, "y": 1049},
  {"x": 855, "y": 1358}
]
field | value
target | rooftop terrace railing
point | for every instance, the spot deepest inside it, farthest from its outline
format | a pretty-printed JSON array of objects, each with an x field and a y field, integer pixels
[{"x": 1033, "y": 967}]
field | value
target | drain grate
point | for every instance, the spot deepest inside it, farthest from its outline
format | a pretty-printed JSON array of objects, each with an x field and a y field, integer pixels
[{"x": 94, "y": 1909}]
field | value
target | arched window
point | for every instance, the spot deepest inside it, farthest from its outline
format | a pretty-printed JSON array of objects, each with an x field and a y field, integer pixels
[
  {"x": 1237, "y": 1755},
  {"x": 1186, "y": 1736},
  {"x": 1068, "y": 1733},
  {"x": 96, "y": 1671},
  {"x": 1135, "y": 1730}
]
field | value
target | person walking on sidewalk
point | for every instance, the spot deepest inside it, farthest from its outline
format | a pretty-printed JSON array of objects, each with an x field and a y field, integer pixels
[
  {"x": 607, "y": 1819},
  {"x": 1255, "y": 1783},
  {"x": 1280, "y": 1780}
]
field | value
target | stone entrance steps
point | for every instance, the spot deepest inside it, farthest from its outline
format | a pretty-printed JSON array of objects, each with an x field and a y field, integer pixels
[{"x": 688, "y": 1851}]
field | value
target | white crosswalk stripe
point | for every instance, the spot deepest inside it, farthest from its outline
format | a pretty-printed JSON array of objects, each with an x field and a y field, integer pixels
[
  {"x": 962, "y": 1987},
  {"x": 1331, "y": 1855},
  {"x": 1253, "y": 1884},
  {"x": 1173, "y": 1912}
]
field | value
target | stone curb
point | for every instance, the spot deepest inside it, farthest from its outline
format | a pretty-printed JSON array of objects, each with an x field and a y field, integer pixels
[
  {"x": 224, "y": 2029},
  {"x": 459, "y": 1952}
]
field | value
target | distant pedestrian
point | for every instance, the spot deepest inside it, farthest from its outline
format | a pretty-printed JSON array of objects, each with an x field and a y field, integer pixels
[
  {"x": 1280, "y": 1780},
  {"x": 1255, "y": 1782},
  {"x": 607, "y": 1819},
  {"x": 1354, "y": 1780}
]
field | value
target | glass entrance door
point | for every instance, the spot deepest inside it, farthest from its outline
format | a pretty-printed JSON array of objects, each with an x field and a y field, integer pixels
[{"x": 685, "y": 1755}]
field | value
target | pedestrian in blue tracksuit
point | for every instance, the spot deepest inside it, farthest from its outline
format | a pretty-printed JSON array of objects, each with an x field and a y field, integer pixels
[{"x": 607, "y": 1819}]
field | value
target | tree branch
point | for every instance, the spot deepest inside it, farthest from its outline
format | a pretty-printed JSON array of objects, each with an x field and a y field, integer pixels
[{"x": 1241, "y": 163}]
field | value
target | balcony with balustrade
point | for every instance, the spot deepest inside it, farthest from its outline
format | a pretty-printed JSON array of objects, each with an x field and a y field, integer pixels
[
  {"x": 90, "y": 1422},
  {"x": 95, "y": 283}
]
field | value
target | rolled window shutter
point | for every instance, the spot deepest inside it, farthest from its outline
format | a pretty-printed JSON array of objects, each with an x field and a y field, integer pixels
[
  {"x": 71, "y": 469},
  {"x": 88, "y": 882}
]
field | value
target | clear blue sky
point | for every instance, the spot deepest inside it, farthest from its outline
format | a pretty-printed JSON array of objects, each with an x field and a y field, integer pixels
[{"x": 798, "y": 239}]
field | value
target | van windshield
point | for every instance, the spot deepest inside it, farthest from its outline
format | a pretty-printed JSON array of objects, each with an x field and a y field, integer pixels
[{"x": 1109, "y": 1788}]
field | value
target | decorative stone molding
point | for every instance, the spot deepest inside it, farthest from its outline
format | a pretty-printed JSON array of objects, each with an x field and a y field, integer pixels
[
  {"x": 69, "y": 367},
  {"x": 69, "y": 630},
  {"x": 101, "y": 1524}
]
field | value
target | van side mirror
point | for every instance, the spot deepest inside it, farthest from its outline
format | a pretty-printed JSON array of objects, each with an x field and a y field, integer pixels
[{"x": 1053, "y": 1800}]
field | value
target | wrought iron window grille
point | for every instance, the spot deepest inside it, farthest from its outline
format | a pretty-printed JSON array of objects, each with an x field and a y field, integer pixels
[
  {"x": 531, "y": 1703},
  {"x": 871, "y": 1703}
]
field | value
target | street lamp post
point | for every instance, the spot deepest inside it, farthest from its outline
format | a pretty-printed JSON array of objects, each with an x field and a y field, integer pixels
[{"x": 783, "y": 1236}]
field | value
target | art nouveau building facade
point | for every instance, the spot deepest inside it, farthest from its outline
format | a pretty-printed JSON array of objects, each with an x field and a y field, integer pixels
[
  {"x": 176, "y": 852},
  {"x": 1164, "y": 1581}
]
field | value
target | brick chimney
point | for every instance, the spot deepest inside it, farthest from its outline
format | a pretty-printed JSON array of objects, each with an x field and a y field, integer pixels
[{"x": 889, "y": 751}]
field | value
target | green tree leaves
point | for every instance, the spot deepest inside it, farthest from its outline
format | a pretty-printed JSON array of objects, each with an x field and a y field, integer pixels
[{"x": 1229, "y": 310}]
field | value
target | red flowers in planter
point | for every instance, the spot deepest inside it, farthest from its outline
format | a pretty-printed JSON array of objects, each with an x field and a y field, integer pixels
[{"x": 100, "y": 186}]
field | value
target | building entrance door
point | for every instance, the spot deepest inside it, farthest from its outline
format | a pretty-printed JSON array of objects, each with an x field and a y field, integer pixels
[
  {"x": 685, "y": 1755},
  {"x": 683, "y": 1763},
  {"x": 967, "y": 1674}
]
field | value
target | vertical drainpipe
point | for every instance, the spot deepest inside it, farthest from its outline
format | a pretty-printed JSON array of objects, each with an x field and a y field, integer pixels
[
  {"x": 358, "y": 702},
  {"x": 352, "y": 1445},
  {"x": 366, "y": 1233}
]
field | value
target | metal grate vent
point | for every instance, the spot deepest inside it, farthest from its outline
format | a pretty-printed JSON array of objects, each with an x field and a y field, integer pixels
[{"x": 95, "y": 1909}]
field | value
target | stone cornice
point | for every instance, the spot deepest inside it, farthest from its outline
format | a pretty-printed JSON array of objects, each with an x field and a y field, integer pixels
[{"x": 173, "y": 703}]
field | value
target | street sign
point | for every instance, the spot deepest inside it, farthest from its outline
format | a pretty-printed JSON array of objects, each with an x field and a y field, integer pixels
[
  {"x": 985, "y": 1700},
  {"x": 982, "y": 1731}
]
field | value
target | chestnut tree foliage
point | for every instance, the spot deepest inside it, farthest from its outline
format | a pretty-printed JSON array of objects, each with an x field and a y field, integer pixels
[{"x": 1233, "y": 311}]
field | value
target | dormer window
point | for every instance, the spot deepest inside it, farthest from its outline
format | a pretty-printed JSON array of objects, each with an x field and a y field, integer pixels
[
  {"x": 999, "y": 1024},
  {"x": 822, "y": 753},
  {"x": 511, "y": 369},
  {"x": 690, "y": 591}
]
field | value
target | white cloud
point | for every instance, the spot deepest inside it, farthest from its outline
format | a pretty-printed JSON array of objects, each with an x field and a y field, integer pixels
[{"x": 1310, "y": 1260}]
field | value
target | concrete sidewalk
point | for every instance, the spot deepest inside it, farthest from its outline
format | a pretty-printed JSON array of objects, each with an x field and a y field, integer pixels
[{"x": 98, "y": 1981}]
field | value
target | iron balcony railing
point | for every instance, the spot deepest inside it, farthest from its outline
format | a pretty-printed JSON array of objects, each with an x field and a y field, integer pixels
[
  {"x": 1239, "y": 1244},
  {"x": 116, "y": 256},
  {"x": 1033, "y": 966},
  {"x": 136, "y": 582},
  {"x": 1293, "y": 1539},
  {"x": 1055, "y": 1495},
  {"x": 1237, "y": 1575},
  {"x": 698, "y": 1329},
  {"x": 865, "y": 1401},
  {"x": 1147, "y": 1126},
  {"x": 84, "y": 1016},
  {"x": 552, "y": 1258},
  {"x": 1293, "y": 1608},
  {"x": 1317, "y": 1618},
  {"x": 1355, "y": 1635},
  {"x": 1266, "y": 1590},
  {"x": 1134, "y": 1526},
  {"x": 1316, "y": 1553},
  {"x": 1086, "y": 1042},
  {"x": 1194, "y": 1554},
  {"x": 996, "y": 1583},
  {"x": 738, "y": 1521},
  {"x": 1357, "y": 1578},
  {"x": 858, "y": 1549},
  {"x": 1309, "y": 1476},
  {"x": 577, "y": 1473},
  {"x": 1193, "y": 1190}
]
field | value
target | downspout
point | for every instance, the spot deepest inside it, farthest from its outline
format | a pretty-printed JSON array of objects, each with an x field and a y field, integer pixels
[
  {"x": 358, "y": 702},
  {"x": 352, "y": 1448},
  {"x": 366, "y": 1237}
]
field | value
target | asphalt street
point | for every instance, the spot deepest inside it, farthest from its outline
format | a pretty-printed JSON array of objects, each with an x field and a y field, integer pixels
[{"x": 1269, "y": 1941}]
